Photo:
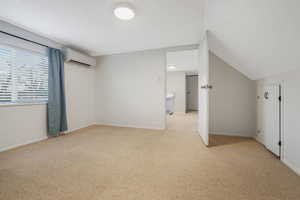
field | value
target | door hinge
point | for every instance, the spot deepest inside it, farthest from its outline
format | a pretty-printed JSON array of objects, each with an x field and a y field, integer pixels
[
  {"x": 279, "y": 98},
  {"x": 279, "y": 143}
]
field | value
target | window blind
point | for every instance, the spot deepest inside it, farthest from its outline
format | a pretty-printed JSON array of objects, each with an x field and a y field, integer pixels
[{"x": 23, "y": 76}]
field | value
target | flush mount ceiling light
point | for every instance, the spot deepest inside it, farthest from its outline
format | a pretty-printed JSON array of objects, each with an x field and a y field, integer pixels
[
  {"x": 124, "y": 11},
  {"x": 171, "y": 67}
]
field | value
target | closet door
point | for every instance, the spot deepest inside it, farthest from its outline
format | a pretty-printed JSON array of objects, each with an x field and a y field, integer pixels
[{"x": 271, "y": 117}]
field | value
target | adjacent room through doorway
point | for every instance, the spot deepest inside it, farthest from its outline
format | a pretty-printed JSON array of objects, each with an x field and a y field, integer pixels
[
  {"x": 182, "y": 91},
  {"x": 192, "y": 92}
]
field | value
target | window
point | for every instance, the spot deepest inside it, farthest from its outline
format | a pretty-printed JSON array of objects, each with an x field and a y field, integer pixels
[{"x": 23, "y": 76}]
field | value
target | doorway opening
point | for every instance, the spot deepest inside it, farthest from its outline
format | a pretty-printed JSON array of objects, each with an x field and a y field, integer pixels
[{"x": 182, "y": 98}]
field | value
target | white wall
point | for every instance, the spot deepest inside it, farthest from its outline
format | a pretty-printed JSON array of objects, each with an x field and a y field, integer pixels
[
  {"x": 20, "y": 32},
  {"x": 130, "y": 89},
  {"x": 80, "y": 95},
  {"x": 258, "y": 37},
  {"x": 232, "y": 100},
  {"x": 184, "y": 60},
  {"x": 290, "y": 82},
  {"x": 24, "y": 124},
  {"x": 176, "y": 83}
]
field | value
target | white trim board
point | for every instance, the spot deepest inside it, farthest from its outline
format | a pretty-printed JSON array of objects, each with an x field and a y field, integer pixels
[
  {"x": 231, "y": 134},
  {"x": 258, "y": 139},
  {"x": 130, "y": 126},
  {"x": 291, "y": 166},
  {"x": 23, "y": 144},
  {"x": 81, "y": 127},
  {"x": 285, "y": 161},
  {"x": 40, "y": 139}
]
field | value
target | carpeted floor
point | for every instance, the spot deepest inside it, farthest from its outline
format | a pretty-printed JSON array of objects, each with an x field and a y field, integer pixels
[
  {"x": 109, "y": 163},
  {"x": 184, "y": 122}
]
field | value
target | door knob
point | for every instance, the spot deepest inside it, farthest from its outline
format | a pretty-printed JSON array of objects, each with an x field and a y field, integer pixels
[{"x": 206, "y": 86}]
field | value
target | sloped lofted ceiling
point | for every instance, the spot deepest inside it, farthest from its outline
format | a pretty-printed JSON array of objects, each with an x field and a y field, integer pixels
[
  {"x": 260, "y": 38},
  {"x": 90, "y": 25}
]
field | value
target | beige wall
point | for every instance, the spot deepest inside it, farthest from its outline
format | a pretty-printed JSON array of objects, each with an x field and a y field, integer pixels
[
  {"x": 130, "y": 89},
  {"x": 232, "y": 102},
  {"x": 24, "y": 124},
  {"x": 176, "y": 84}
]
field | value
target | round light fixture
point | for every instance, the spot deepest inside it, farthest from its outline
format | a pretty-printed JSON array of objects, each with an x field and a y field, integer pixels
[
  {"x": 171, "y": 67},
  {"x": 124, "y": 11}
]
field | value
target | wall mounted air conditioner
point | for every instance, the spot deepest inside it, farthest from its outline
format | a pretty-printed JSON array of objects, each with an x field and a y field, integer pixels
[{"x": 78, "y": 57}]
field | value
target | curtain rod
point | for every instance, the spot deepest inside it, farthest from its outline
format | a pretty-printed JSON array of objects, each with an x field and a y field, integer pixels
[{"x": 24, "y": 39}]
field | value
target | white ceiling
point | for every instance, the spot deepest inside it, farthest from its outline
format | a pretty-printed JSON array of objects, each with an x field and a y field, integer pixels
[
  {"x": 186, "y": 60},
  {"x": 90, "y": 25},
  {"x": 258, "y": 37}
]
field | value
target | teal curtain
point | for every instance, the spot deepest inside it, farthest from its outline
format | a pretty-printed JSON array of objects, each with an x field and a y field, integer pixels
[{"x": 56, "y": 109}]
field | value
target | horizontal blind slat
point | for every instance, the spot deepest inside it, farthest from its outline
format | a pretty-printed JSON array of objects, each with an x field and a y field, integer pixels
[{"x": 23, "y": 75}]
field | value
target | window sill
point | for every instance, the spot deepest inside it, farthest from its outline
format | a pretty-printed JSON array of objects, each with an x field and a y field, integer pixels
[{"x": 22, "y": 104}]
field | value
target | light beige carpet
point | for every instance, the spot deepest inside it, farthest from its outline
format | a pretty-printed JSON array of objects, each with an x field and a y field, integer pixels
[
  {"x": 184, "y": 122},
  {"x": 107, "y": 163}
]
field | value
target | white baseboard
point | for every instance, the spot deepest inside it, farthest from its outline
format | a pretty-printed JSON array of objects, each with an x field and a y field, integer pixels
[
  {"x": 130, "y": 126},
  {"x": 78, "y": 128},
  {"x": 291, "y": 166},
  {"x": 258, "y": 139},
  {"x": 177, "y": 112},
  {"x": 285, "y": 161},
  {"x": 39, "y": 139},
  {"x": 22, "y": 144},
  {"x": 231, "y": 134}
]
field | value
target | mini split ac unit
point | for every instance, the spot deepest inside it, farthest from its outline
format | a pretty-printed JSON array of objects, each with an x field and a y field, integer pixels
[{"x": 78, "y": 57}]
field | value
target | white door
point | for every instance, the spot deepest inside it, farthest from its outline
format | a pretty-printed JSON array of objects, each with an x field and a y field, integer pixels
[
  {"x": 203, "y": 81},
  {"x": 192, "y": 92},
  {"x": 271, "y": 117}
]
